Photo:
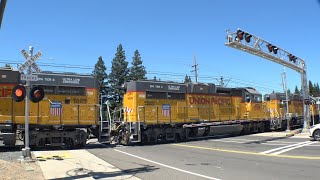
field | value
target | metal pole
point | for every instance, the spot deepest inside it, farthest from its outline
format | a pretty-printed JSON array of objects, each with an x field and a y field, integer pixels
[
  {"x": 26, "y": 151},
  {"x": 305, "y": 95},
  {"x": 284, "y": 83}
]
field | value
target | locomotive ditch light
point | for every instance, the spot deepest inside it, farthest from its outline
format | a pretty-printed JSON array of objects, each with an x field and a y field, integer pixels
[
  {"x": 18, "y": 93},
  {"x": 36, "y": 94},
  {"x": 240, "y": 35},
  {"x": 247, "y": 37}
]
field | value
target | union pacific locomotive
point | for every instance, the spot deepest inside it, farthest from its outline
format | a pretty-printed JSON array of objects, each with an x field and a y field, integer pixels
[
  {"x": 69, "y": 108},
  {"x": 163, "y": 111}
]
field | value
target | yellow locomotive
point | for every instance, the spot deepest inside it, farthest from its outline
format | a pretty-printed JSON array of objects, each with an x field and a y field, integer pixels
[
  {"x": 69, "y": 108},
  {"x": 163, "y": 111}
]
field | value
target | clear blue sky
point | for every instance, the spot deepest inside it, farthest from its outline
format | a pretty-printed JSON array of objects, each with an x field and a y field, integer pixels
[{"x": 167, "y": 33}]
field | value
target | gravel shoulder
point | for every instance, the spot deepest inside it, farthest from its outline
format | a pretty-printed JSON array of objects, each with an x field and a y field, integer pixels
[{"x": 11, "y": 168}]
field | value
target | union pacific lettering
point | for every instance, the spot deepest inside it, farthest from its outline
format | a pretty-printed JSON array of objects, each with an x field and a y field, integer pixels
[
  {"x": 5, "y": 92},
  {"x": 210, "y": 100}
]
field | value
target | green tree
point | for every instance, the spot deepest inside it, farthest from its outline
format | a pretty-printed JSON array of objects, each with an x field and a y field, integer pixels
[
  {"x": 187, "y": 79},
  {"x": 316, "y": 89},
  {"x": 311, "y": 89},
  {"x": 8, "y": 66},
  {"x": 118, "y": 76},
  {"x": 137, "y": 70},
  {"x": 100, "y": 74},
  {"x": 296, "y": 90}
]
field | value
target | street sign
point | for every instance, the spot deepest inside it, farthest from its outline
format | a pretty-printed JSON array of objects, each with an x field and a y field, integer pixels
[
  {"x": 29, "y": 77},
  {"x": 30, "y": 61}
]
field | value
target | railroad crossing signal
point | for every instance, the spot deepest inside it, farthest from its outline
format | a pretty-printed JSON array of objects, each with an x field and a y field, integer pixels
[
  {"x": 18, "y": 93},
  {"x": 30, "y": 61}
]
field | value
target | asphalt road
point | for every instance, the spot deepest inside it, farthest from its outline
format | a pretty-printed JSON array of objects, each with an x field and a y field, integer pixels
[{"x": 241, "y": 158}]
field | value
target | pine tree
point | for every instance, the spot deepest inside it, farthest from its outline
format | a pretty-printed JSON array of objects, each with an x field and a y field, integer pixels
[
  {"x": 296, "y": 90},
  {"x": 137, "y": 70},
  {"x": 118, "y": 76},
  {"x": 317, "y": 90},
  {"x": 311, "y": 89},
  {"x": 187, "y": 79},
  {"x": 100, "y": 74}
]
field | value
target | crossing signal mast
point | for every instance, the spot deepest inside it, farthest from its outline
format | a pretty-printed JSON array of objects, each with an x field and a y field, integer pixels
[{"x": 247, "y": 42}]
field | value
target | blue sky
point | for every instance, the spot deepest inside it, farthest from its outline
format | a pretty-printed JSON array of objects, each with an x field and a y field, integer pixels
[{"x": 167, "y": 34}]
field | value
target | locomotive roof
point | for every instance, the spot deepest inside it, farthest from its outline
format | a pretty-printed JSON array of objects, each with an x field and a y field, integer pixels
[
  {"x": 9, "y": 76},
  {"x": 158, "y": 86},
  {"x": 62, "y": 79}
]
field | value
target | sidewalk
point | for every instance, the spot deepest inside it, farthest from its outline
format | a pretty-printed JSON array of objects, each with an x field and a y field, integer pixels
[
  {"x": 293, "y": 133},
  {"x": 77, "y": 164}
]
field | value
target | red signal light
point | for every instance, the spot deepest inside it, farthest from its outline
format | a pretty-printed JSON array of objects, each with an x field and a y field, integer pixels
[
  {"x": 240, "y": 34},
  {"x": 292, "y": 58},
  {"x": 272, "y": 48},
  {"x": 18, "y": 93},
  {"x": 247, "y": 37},
  {"x": 269, "y": 47},
  {"x": 275, "y": 50},
  {"x": 36, "y": 94}
]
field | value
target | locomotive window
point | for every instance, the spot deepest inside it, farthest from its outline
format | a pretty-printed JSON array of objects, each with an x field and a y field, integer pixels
[
  {"x": 257, "y": 98},
  {"x": 61, "y": 90},
  {"x": 165, "y": 95},
  {"x": 178, "y": 96},
  {"x": 49, "y": 89},
  {"x": 79, "y": 91},
  {"x": 156, "y": 95}
]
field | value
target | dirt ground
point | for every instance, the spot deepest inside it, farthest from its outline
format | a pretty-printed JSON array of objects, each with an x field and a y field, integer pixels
[{"x": 16, "y": 170}]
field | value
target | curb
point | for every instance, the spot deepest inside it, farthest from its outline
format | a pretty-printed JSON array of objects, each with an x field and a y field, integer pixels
[{"x": 292, "y": 133}]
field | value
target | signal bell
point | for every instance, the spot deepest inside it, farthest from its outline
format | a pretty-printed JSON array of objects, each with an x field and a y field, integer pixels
[
  {"x": 36, "y": 94},
  {"x": 18, "y": 93}
]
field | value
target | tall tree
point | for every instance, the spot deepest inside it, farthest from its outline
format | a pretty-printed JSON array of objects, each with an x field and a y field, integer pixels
[
  {"x": 187, "y": 79},
  {"x": 100, "y": 74},
  {"x": 118, "y": 76},
  {"x": 316, "y": 90},
  {"x": 310, "y": 88},
  {"x": 296, "y": 90},
  {"x": 137, "y": 70}
]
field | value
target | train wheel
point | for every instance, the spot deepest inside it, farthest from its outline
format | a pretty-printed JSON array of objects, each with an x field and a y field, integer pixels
[{"x": 316, "y": 135}]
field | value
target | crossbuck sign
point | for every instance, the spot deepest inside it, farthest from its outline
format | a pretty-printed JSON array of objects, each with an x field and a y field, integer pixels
[{"x": 30, "y": 61}]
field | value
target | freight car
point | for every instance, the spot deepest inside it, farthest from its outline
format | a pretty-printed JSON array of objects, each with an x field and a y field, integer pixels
[
  {"x": 157, "y": 111},
  {"x": 69, "y": 108}
]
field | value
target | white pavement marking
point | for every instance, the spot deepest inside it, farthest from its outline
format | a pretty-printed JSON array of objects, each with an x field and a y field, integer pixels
[
  {"x": 243, "y": 141},
  {"x": 284, "y": 147},
  {"x": 295, "y": 147},
  {"x": 167, "y": 166}
]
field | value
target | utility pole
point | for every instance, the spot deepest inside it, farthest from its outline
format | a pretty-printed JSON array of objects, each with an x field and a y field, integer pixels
[
  {"x": 195, "y": 66},
  {"x": 2, "y": 8},
  {"x": 284, "y": 84}
]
